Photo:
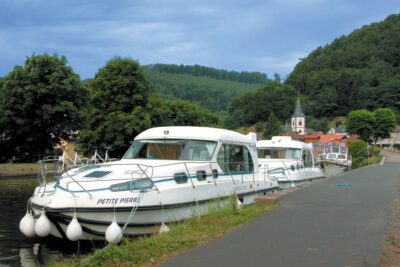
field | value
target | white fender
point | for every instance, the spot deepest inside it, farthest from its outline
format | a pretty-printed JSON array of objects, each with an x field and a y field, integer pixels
[
  {"x": 74, "y": 230},
  {"x": 27, "y": 225},
  {"x": 114, "y": 233},
  {"x": 163, "y": 228},
  {"x": 43, "y": 225},
  {"x": 238, "y": 204}
]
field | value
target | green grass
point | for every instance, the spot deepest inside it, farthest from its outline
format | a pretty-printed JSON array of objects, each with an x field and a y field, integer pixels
[
  {"x": 183, "y": 236},
  {"x": 361, "y": 162},
  {"x": 14, "y": 169}
]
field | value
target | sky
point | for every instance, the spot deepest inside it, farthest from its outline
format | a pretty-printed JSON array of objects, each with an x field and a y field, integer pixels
[{"x": 268, "y": 36}]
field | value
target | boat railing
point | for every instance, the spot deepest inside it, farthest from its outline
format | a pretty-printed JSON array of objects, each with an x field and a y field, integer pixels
[{"x": 138, "y": 171}]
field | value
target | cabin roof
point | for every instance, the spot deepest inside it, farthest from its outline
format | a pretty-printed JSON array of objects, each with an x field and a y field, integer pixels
[
  {"x": 282, "y": 142},
  {"x": 331, "y": 137},
  {"x": 196, "y": 133}
]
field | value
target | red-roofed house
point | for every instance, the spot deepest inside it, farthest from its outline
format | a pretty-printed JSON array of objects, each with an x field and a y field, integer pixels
[{"x": 325, "y": 138}]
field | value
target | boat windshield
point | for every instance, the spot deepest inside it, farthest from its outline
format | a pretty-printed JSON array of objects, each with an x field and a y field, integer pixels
[
  {"x": 171, "y": 149},
  {"x": 279, "y": 153}
]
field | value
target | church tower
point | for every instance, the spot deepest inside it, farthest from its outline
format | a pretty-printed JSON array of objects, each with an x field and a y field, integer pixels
[{"x": 298, "y": 119}]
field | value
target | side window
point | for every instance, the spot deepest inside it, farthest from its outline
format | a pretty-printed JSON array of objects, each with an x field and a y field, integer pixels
[
  {"x": 247, "y": 160},
  {"x": 307, "y": 158},
  {"x": 222, "y": 159},
  {"x": 235, "y": 158}
]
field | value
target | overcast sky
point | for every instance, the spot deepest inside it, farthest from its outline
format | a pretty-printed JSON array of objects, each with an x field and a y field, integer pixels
[{"x": 267, "y": 36}]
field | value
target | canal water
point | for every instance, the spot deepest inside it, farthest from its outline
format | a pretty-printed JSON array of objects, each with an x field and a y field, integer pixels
[{"x": 15, "y": 248}]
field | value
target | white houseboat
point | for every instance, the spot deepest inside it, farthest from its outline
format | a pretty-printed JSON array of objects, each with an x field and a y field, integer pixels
[
  {"x": 287, "y": 160},
  {"x": 168, "y": 174},
  {"x": 335, "y": 160}
]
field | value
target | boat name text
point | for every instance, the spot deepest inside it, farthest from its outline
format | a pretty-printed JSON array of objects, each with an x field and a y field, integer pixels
[{"x": 123, "y": 200}]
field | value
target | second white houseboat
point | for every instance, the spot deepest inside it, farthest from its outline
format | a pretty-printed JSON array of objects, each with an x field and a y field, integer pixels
[{"x": 287, "y": 160}]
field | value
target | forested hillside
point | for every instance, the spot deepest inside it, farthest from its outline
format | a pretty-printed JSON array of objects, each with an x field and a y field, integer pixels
[
  {"x": 197, "y": 70},
  {"x": 253, "y": 107},
  {"x": 357, "y": 71},
  {"x": 208, "y": 87}
]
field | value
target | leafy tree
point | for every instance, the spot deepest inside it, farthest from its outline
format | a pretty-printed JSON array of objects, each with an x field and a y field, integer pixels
[
  {"x": 119, "y": 94},
  {"x": 317, "y": 124},
  {"x": 41, "y": 102},
  {"x": 323, "y": 104},
  {"x": 359, "y": 152},
  {"x": 277, "y": 78},
  {"x": 119, "y": 86},
  {"x": 385, "y": 122},
  {"x": 272, "y": 126},
  {"x": 252, "y": 107},
  {"x": 179, "y": 113},
  {"x": 259, "y": 127},
  {"x": 361, "y": 122},
  {"x": 123, "y": 105},
  {"x": 358, "y": 149}
]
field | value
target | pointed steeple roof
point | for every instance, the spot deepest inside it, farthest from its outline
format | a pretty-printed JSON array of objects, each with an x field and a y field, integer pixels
[{"x": 298, "y": 112}]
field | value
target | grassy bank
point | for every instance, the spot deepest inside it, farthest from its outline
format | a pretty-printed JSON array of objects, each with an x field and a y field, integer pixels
[
  {"x": 156, "y": 249},
  {"x": 17, "y": 169},
  {"x": 360, "y": 162}
]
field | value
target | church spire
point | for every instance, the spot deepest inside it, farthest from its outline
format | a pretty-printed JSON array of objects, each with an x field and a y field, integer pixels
[
  {"x": 298, "y": 119},
  {"x": 298, "y": 112}
]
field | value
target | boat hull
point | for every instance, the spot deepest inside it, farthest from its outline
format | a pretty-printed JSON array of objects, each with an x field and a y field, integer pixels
[
  {"x": 331, "y": 168},
  {"x": 288, "y": 177},
  {"x": 152, "y": 209}
]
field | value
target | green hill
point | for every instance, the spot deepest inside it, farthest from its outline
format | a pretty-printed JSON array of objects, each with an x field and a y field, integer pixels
[
  {"x": 361, "y": 70},
  {"x": 208, "y": 87}
]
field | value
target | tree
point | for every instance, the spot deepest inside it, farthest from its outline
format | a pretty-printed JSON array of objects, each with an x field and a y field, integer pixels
[
  {"x": 178, "y": 112},
  {"x": 385, "y": 122},
  {"x": 358, "y": 149},
  {"x": 277, "y": 78},
  {"x": 123, "y": 105},
  {"x": 252, "y": 107},
  {"x": 259, "y": 127},
  {"x": 272, "y": 126},
  {"x": 41, "y": 102},
  {"x": 119, "y": 94},
  {"x": 317, "y": 124},
  {"x": 361, "y": 122},
  {"x": 119, "y": 86}
]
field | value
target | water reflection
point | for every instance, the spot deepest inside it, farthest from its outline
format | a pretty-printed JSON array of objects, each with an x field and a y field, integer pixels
[{"x": 17, "y": 250}]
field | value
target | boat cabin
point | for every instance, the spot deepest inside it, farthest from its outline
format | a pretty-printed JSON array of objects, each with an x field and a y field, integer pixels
[
  {"x": 233, "y": 151},
  {"x": 284, "y": 148}
]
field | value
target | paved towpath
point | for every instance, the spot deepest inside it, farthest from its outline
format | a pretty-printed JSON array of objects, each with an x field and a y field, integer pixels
[{"x": 338, "y": 222}]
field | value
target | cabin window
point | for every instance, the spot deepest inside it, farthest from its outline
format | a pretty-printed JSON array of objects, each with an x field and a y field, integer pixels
[
  {"x": 138, "y": 184},
  {"x": 215, "y": 173},
  {"x": 307, "y": 159},
  {"x": 235, "y": 158},
  {"x": 279, "y": 153},
  {"x": 171, "y": 149},
  {"x": 180, "y": 178},
  {"x": 201, "y": 175},
  {"x": 97, "y": 174}
]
